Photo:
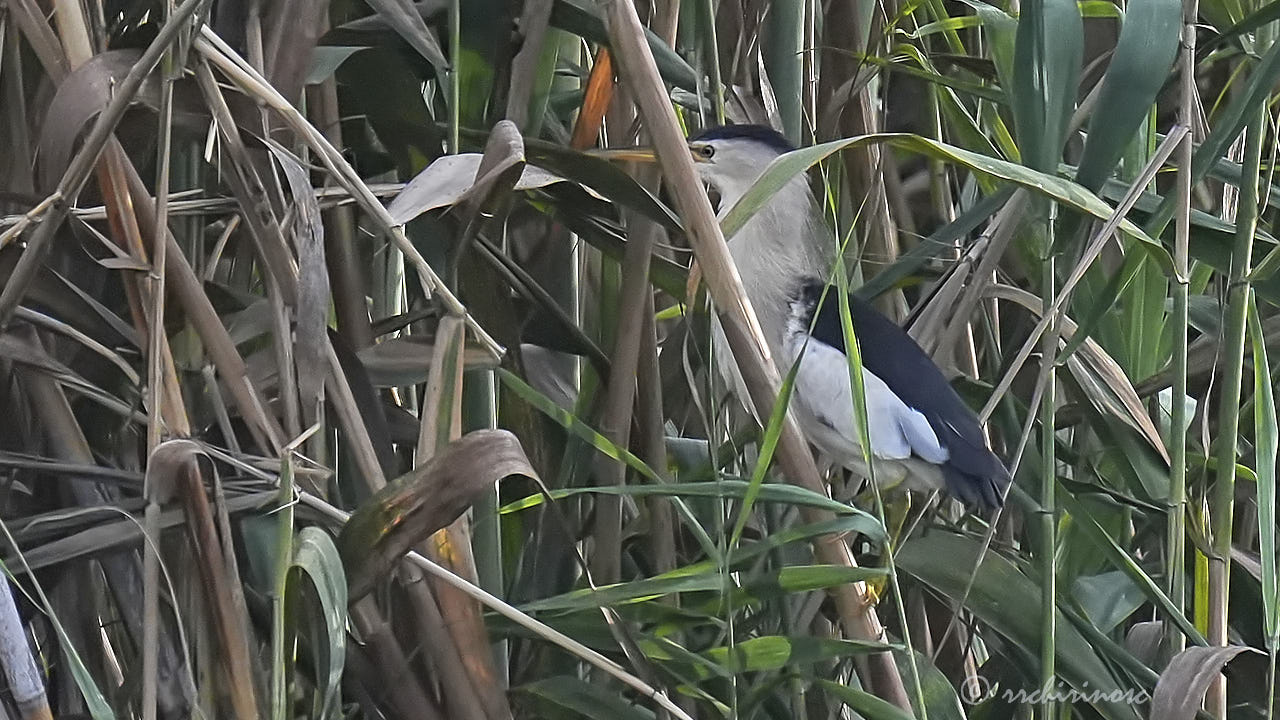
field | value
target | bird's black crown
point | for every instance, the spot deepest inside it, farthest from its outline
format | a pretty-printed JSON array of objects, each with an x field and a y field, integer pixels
[{"x": 759, "y": 133}]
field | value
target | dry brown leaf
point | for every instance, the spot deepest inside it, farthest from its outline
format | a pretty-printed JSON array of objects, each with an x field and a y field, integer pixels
[
  {"x": 415, "y": 505},
  {"x": 1181, "y": 688}
]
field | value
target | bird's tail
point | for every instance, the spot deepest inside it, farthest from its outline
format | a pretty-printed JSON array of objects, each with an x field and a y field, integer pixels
[{"x": 983, "y": 492}]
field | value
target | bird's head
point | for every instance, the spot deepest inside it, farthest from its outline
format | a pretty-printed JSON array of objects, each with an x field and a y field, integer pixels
[
  {"x": 784, "y": 239},
  {"x": 730, "y": 158}
]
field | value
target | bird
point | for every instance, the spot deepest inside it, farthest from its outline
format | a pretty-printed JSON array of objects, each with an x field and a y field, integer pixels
[{"x": 922, "y": 433}]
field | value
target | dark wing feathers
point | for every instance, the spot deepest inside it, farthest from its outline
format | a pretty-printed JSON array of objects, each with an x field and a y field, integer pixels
[{"x": 973, "y": 472}]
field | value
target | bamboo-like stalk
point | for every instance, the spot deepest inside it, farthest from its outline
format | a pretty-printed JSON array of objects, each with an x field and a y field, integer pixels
[
  {"x": 150, "y": 609},
  {"x": 1222, "y": 498},
  {"x": 146, "y": 296},
  {"x": 279, "y": 704},
  {"x": 479, "y": 411},
  {"x": 652, "y": 443},
  {"x": 633, "y": 298},
  {"x": 122, "y": 571},
  {"x": 189, "y": 291},
  {"x": 711, "y": 56},
  {"x": 157, "y": 353},
  {"x": 855, "y": 607},
  {"x": 128, "y": 208},
  {"x": 1175, "y": 524},
  {"x": 809, "y": 56},
  {"x": 1048, "y": 480},
  {"x": 455, "y": 82},
  {"x": 156, "y": 350},
  {"x": 164, "y": 395},
  {"x": 404, "y": 692},
  {"x": 241, "y": 176},
  {"x": 783, "y": 48},
  {"x": 649, "y": 407}
]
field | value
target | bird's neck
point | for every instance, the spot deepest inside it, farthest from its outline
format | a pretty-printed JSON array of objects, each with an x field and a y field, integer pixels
[{"x": 784, "y": 243}]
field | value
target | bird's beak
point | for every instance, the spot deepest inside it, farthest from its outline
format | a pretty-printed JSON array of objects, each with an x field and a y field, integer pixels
[{"x": 643, "y": 155}]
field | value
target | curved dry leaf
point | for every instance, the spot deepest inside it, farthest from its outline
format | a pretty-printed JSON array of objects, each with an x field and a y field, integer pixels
[
  {"x": 163, "y": 466},
  {"x": 79, "y": 98},
  {"x": 1144, "y": 641},
  {"x": 415, "y": 505},
  {"x": 1181, "y": 688},
  {"x": 85, "y": 93},
  {"x": 501, "y": 166},
  {"x": 448, "y": 180}
]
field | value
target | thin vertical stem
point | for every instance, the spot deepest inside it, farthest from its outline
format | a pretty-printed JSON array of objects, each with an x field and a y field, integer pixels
[
  {"x": 1271, "y": 682},
  {"x": 809, "y": 59},
  {"x": 1175, "y": 530},
  {"x": 1222, "y": 500},
  {"x": 1048, "y": 480},
  {"x": 284, "y": 556},
  {"x": 156, "y": 341},
  {"x": 455, "y": 68},
  {"x": 712, "y": 52},
  {"x": 156, "y": 355}
]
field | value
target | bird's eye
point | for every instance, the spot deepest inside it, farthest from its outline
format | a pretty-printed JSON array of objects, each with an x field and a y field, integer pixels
[{"x": 707, "y": 151}]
